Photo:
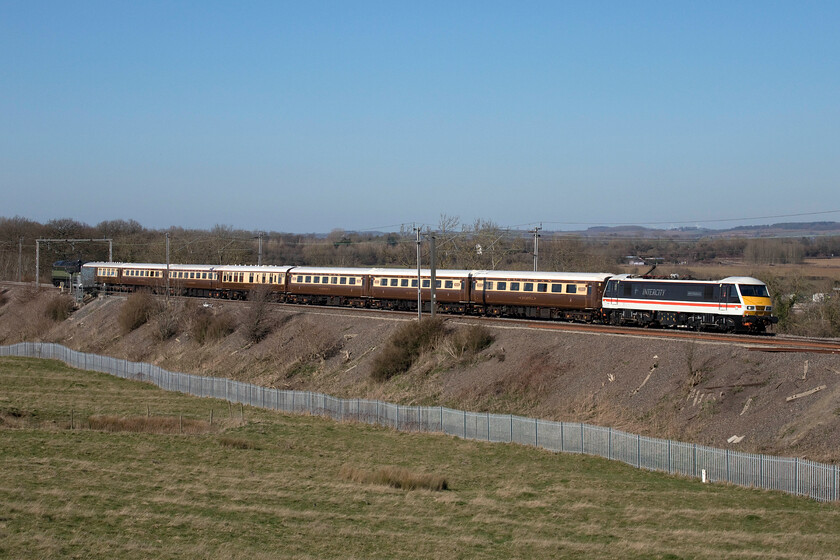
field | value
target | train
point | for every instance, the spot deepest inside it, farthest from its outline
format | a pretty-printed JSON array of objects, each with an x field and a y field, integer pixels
[
  {"x": 733, "y": 304},
  {"x": 63, "y": 271}
]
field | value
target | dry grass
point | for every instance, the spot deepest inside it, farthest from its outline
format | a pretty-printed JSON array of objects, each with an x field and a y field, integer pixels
[
  {"x": 59, "y": 308},
  {"x": 405, "y": 345},
  {"x": 256, "y": 322},
  {"x": 395, "y": 477},
  {"x": 467, "y": 341},
  {"x": 150, "y": 424},
  {"x": 94, "y": 494},
  {"x": 237, "y": 443},
  {"x": 207, "y": 326},
  {"x": 137, "y": 309}
]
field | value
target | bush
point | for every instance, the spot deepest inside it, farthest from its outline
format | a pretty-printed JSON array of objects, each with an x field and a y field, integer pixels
[
  {"x": 206, "y": 326},
  {"x": 405, "y": 346},
  {"x": 257, "y": 323},
  {"x": 166, "y": 323},
  {"x": 137, "y": 309},
  {"x": 471, "y": 340},
  {"x": 59, "y": 308}
]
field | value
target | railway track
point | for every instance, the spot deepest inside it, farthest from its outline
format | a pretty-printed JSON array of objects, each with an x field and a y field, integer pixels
[
  {"x": 762, "y": 343},
  {"x": 758, "y": 343}
]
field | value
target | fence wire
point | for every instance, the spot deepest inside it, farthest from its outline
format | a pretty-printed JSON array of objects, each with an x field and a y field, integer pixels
[{"x": 792, "y": 475}]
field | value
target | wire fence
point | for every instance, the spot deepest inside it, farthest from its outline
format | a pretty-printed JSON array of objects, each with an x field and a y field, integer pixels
[{"x": 792, "y": 475}]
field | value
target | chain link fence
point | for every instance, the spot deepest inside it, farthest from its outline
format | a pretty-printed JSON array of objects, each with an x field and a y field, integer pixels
[{"x": 795, "y": 476}]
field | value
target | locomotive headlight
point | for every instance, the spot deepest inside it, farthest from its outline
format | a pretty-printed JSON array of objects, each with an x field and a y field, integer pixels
[{"x": 751, "y": 308}]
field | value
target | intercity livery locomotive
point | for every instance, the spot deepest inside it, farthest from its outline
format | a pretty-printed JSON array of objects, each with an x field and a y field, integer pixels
[
  {"x": 731, "y": 304},
  {"x": 734, "y": 303}
]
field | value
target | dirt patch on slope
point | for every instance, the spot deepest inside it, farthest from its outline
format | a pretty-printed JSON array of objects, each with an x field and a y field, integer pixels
[{"x": 699, "y": 392}]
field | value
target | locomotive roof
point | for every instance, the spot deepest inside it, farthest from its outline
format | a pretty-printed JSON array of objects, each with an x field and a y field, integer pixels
[{"x": 727, "y": 280}]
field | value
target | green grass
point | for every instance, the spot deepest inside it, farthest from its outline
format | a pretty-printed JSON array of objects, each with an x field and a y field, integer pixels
[{"x": 272, "y": 487}]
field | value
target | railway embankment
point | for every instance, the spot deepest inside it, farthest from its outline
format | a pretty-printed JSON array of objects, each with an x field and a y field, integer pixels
[{"x": 716, "y": 393}]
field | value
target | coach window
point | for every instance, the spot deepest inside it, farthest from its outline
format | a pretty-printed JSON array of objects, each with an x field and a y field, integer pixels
[
  {"x": 571, "y": 288},
  {"x": 448, "y": 284},
  {"x": 334, "y": 280},
  {"x": 352, "y": 281},
  {"x": 528, "y": 287},
  {"x": 488, "y": 285},
  {"x": 501, "y": 286},
  {"x": 437, "y": 283},
  {"x": 427, "y": 283},
  {"x": 414, "y": 283},
  {"x": 343, "y": 280},
  {"x": 395, "y": 282},
  {"x": 316, "y": 279},
  {"x": 404, "y": 283},
  {"x": 308, "y": 279},
  {"x": 514, "y": 286},
  {"x": 542, "y": 287}
]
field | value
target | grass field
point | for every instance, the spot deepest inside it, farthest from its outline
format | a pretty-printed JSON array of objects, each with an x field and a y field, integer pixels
[{"x": 275, "y": 486}]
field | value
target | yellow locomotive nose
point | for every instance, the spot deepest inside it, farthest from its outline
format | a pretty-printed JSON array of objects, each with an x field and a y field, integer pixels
[{"x": 760, "y": 306}]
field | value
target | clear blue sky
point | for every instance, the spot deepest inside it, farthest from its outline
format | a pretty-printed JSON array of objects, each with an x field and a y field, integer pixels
[{"x": 309, "y": 116}]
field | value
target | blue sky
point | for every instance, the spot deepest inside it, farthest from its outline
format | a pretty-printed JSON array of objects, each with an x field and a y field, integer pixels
[{"x": 309, "y": 116}]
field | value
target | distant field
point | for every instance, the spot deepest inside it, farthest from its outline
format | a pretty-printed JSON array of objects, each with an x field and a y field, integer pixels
[
  {"x": 813, "y": 270},
  {"x": 272, "y": 487}
]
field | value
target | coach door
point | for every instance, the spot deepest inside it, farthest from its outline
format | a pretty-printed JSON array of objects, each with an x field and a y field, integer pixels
[{"x": 723, "y": 297}]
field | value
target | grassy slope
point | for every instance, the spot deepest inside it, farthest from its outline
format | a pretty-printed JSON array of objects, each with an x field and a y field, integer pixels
[{"x": 93, "y": 494}]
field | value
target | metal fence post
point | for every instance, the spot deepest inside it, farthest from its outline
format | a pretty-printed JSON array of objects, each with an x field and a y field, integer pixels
[
  {"x": 639, "y": 451},
  {"x": 562, "y": 437},
  {"x": 728, "y": 477},
  {"x": 609, "y": 445},
  {"x": 582, "y": 446}
]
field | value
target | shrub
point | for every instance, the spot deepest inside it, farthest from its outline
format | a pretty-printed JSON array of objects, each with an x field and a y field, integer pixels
[
  {"x": 59, "y": 308},
  {"x": 472, "y": 340},
  {"x": 166, "y": 323},
  {"x": 405, "y": 346},
  {"x": 257, "y": 323},
  {"x": 395, "y": 477},
  {"x": 206, "y": 326},
  {"x": 137, "y": 309}
]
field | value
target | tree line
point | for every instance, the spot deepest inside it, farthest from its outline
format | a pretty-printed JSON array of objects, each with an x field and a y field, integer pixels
[{"x": 477, "y": 245}]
